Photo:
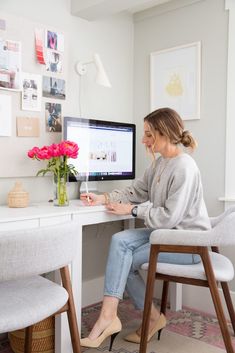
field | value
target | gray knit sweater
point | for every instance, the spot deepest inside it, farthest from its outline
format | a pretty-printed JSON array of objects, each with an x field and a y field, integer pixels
[{"x": 169, "y": 195}]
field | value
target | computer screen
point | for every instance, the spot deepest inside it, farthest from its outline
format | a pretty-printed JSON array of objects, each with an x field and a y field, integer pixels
[{"x": 106, "y": 148}]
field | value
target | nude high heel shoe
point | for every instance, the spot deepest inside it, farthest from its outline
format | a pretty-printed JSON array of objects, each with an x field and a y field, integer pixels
[
  {"x": 111, "y": 331},
  {"x": 135, "y": 338}
]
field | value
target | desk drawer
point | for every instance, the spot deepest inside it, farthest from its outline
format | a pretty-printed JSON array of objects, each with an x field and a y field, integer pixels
[
  {"x": 50, "y": 221},
  {"x": 17, "y": 225}
]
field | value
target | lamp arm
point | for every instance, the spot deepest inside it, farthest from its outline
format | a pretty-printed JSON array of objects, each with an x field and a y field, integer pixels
[
  {"x": 101, "y": 76},
  {"x": 88, "y": 62}
]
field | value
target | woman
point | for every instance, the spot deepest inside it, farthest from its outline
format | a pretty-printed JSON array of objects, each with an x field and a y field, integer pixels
[{"x": 169, "y": 195}]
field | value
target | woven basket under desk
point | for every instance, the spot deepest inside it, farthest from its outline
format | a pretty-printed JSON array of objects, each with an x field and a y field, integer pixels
[{"x": 43, "y": 338}]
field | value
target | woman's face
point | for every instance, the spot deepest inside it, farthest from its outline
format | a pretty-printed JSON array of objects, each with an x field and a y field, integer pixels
[{"x": 157, "y": 143}]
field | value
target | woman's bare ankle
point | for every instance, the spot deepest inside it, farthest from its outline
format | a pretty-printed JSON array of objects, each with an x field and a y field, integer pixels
[
  {"x": 153, "y": 320},
  {"x": 101, "y": 324},
  {"x": 107, "y": 315},
  {"x": 155, "y": 317},
  {"x": 155, "y": 314}
]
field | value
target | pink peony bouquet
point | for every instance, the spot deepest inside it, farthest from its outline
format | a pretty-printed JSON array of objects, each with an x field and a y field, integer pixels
[{"x": 57, "y": 156}]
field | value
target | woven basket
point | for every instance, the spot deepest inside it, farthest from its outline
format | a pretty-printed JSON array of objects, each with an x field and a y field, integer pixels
[
  {"x": 17, "y": 197},
  {"x": 43, "y": 338}
]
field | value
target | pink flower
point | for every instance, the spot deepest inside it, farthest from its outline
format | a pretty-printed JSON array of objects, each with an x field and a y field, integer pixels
[
  {"x": 69, "y": 149},
  {"x": 33, "y": 152},
  {"x": 55, "y": 150},
  {"x": 44, "y": 153},
  {"x": 57, "y": 155}
]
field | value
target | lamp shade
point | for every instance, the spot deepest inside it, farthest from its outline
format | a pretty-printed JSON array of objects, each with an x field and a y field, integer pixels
[{"x": 101, "y": 76}]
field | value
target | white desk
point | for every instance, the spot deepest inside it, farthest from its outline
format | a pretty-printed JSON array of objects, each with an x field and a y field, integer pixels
[{"x": 43, "y": 214}]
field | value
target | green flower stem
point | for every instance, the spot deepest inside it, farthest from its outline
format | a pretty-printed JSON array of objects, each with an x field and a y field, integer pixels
[
  {"x": 61, "y": 180},
  {"x": 62, "y": 191}
]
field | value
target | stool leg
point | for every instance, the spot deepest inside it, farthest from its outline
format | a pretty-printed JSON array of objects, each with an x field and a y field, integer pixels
[
  {"x": 71, "y": 312},
  {"x": 28, "y": 339}
]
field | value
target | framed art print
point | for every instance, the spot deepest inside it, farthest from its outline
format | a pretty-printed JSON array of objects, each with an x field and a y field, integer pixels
[{"x": 175, "y": 80}]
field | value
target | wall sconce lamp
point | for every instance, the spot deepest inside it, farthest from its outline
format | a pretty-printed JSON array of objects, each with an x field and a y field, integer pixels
[{"x": 101, "y": 76}]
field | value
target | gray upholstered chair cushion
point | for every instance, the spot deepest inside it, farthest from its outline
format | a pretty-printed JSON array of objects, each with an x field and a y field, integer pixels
[
  {"x": 222, "y": 233},
  {"x": 222, "y": 266},
  {"x": 27, "y": 301}
]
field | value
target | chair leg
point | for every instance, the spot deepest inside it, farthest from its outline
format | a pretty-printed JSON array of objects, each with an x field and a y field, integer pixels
[
  {"x": 229, "y": 303},
  {"x": 71, "y": 312},
  {"x": 227, "y": 295},
  {"x": 28, "y": 339},
  {"x": 216, "y": 300},
  {"x": 164, "y": 296},
  {"x": 148, "y": 297}
]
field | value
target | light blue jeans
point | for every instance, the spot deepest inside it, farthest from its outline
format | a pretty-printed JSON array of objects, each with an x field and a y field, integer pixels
[{"x": 129, "y": 249}]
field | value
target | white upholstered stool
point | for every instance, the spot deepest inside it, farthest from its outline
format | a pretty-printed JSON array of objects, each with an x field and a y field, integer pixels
[{"x": 26, "y": 297}]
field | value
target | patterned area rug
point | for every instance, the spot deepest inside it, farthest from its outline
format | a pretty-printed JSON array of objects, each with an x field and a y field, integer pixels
[
  {"x": 181, "y": 326},
  {"x": 187, "y": 331}
]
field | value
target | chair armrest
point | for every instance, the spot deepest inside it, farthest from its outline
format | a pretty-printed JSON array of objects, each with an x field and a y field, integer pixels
[
  {"x": 223, "y": 234},
  {"x": 183, "y": 237},
  {"x": 216, "y": 220}
]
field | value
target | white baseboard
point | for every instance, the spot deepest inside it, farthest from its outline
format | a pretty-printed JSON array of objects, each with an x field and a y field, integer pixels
[{"x": 197, "y": 298}]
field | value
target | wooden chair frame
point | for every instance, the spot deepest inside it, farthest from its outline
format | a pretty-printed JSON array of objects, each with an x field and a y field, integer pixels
[
  {"x": 210, "y": 282},
  {"x": 69, "y": 307}
]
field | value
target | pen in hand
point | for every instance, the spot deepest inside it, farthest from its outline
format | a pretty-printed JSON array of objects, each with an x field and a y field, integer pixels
[{"x": 87, "y": 191}]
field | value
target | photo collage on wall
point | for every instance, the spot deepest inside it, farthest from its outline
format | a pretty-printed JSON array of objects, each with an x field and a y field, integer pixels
[
  {"x": 53, "y": 87},
  {"x": 49, "y": 47}
]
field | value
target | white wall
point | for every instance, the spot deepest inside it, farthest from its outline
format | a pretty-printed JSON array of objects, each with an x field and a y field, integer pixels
[
  {"x": 112, "y": 39},
  {"x": 204, "y": 21}
]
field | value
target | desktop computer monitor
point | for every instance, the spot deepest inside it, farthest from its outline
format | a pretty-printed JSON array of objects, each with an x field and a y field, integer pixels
[{"x": 106, "y": 149}]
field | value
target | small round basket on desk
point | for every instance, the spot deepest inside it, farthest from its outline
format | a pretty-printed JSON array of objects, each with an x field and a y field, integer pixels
[
  {"x": 43, "y": 338},
  {"x": 17, "y": 197}
]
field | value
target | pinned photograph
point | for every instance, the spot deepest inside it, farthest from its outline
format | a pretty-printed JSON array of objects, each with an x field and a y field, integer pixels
[
  {"x": 52, "y": 40},
  {"x": 5, "y": 115},
  {"x": 53, "y": 117},
  {"x": 54, "y": 61},
  {"x": 10, "y": 64},
  {"x": 53, "y": 87},
  {"x": 31, "y": 92},
  {"x": 39, "y": 34},
  {"x": 28, "y": 127}
]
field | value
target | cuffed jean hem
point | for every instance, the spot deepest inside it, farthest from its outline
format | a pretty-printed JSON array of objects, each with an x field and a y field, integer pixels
[
  {"x": 113, "y": 294},
  {"x": 196, "y": 259}
]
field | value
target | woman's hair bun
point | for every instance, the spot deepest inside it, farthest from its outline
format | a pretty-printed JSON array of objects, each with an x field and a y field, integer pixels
[{"x": 187, "y": 139}]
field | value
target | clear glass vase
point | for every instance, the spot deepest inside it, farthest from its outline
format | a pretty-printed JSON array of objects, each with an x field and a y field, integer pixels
[{"x": 60, "y": 191}]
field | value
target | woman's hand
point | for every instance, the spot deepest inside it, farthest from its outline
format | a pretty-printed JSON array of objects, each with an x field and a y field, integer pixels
[
  {"x": 92, "y": 199},
  {"x": 119, "y": 208}
]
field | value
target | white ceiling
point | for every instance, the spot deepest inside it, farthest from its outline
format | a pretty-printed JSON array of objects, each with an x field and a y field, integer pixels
[{"x": 92, "y": 10}]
